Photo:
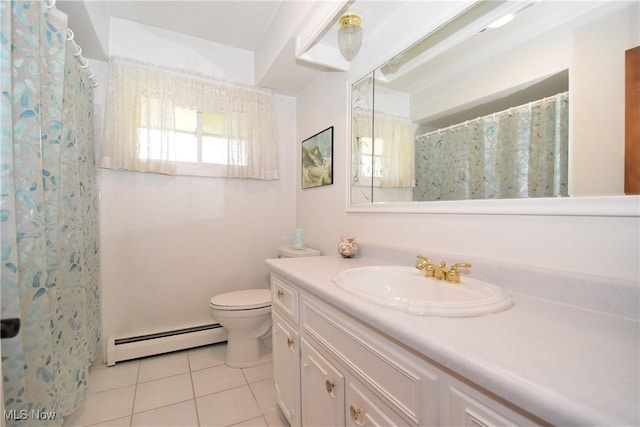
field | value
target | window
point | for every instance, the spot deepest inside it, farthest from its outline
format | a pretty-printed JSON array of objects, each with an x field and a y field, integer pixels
[
  {"x": 384, "y": 155},
  {"x": 201, "y": 147},
  {"x": 181, "y": 122},
  {"x": 371, "y": 155}
]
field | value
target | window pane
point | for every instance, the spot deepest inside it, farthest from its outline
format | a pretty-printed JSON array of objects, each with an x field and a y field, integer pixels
[
  {"x": 371, "y": 163},
  {"x": 366, "y": 146},
  {"x": 186, "y": 147},
  {"x": 186, "y": 120},
  {"x": 218, "y": 150},
  {"x": 212, "y": 123},
  {"x": 214, "y": 150},
  {"x": 378, "y": 147},
  {"x": 146, "y": 148}
]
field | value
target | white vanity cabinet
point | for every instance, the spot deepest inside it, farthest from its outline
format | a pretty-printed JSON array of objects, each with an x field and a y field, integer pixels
[
  {"x": 355, "y": 363},
  {"x": 347, "y": 375},
  {"x": 331, "y": 369}
]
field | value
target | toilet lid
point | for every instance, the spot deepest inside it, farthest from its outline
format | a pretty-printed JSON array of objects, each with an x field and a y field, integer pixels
[{"x": 243, "y": 300}]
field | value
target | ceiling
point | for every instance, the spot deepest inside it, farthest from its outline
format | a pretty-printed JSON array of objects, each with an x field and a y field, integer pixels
[
  {"x": 239, "y": 24},
  {"x": 243, "y": 24}
]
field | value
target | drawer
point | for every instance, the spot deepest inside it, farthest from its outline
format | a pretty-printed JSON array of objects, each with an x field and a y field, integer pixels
[
  {"x": 468, "y": 412},
  {"x": 284, "y": 297},
  {"x": 364, "y": 409},
  {"x": 404, "y": 388},
  {"x": 471, "y": 408}
]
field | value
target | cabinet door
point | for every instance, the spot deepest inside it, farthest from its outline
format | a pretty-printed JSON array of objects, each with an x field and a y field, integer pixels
[
  {"x": 364, "y": 409},
  {"x": 322, "y": 390},
  {"x": 286, "y": 369}
]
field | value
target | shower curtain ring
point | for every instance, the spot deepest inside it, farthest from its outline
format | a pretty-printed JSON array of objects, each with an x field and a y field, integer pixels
[
  {"x": 70, "y": 34},
  {"x": 86, "y": 62},
  {"x": 77, "y": 50},
  {"x": 51, "y": 4}
]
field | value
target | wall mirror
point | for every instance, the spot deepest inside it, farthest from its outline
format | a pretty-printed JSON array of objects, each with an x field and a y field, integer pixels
[{"x": 482, "y": 115}]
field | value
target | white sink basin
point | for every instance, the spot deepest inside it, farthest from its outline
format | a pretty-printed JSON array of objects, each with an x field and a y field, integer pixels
[{"x": 406, "y": 289}]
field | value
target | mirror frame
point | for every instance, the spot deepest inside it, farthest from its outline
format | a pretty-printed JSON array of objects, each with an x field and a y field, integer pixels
[{"x": 605, "y": 205}]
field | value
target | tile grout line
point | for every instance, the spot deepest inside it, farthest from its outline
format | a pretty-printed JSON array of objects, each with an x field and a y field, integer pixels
[
  {"x": 193, "y": 390},
  {"x": 255, "y": 398},
  {"x": 135, "y": 394}
]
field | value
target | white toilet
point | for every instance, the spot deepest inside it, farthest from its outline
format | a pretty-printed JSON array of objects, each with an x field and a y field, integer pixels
[{"x": 246, "y": 315}]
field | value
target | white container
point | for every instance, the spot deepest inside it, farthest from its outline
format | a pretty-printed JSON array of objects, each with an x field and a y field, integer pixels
[{"x": 298, "y": 238}]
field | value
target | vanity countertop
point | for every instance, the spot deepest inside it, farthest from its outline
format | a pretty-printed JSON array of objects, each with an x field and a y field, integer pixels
[{"x": 567, "y": 365}]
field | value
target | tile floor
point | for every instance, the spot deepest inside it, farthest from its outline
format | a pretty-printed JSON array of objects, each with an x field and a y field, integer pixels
[{"x": 188, "y": 388}]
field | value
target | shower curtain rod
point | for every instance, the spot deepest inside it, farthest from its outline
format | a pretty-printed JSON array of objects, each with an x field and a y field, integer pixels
[
  {"x": 505, "y": 111},
  {"x": 77, "y": 50}
]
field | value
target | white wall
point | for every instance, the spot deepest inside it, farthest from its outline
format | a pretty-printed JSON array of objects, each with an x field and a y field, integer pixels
[
  {"x": 598, "y": 245},
  {"x": 171, "y": 243}
]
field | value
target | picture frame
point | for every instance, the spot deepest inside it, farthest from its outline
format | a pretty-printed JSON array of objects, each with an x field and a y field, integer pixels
[{"x": 317, "y": 159}]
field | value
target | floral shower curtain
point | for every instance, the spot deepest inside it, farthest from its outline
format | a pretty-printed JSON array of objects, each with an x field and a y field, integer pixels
[
  {"x": 48, "y": 214},
  {"x": 521, "y": 152}
]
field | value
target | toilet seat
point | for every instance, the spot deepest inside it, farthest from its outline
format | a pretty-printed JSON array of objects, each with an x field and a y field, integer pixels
[{"x": 250, "y": 299}]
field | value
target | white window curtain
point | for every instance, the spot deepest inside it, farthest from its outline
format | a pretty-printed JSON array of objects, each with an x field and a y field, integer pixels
[
  {"x": 140, "y": 125},
  {"x": 394, "y": 160}
]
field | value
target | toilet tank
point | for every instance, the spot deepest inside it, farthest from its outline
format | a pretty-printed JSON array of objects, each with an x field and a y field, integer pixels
[{"x": 288, "y": 251}]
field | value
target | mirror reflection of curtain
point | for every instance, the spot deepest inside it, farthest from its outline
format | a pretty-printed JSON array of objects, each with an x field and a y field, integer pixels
[
  {"x": 518, "y": 153},
  {"x": 388, "y": 154}
]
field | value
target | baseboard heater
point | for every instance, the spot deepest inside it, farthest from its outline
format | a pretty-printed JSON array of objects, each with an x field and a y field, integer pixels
[{"x": 119, "y": 349}]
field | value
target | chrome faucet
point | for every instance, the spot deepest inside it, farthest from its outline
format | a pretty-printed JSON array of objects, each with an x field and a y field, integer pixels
[{"x": 440, "y": 272}]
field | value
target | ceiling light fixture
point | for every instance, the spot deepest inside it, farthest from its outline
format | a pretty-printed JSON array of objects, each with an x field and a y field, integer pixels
[
  {"x": 502, "y": 21},
  {"x": 350, "y": 35}
]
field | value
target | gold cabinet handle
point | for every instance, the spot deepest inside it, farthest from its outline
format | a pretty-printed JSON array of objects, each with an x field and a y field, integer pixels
[
  {"x": 290, "y": 342},
  {"x": 329, "y": 386},
  {"x": 355, "y": 413},
  {"x": 280, "y": 294}
]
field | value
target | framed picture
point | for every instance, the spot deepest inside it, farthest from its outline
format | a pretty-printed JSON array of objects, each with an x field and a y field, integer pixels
[{"x": 317, "y": 159}]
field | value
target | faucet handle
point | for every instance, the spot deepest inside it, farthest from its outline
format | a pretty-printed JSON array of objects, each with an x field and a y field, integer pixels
[
  {"x": 422, "y": 262},
  {"x": 426, "y": 265},
  {"x": 453, "y": 276}
]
